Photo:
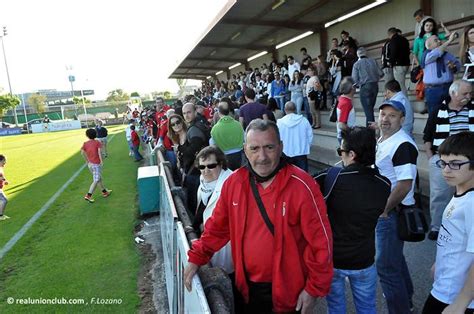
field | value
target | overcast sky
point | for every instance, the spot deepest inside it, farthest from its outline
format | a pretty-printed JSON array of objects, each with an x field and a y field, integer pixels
[{"x": 133, "y": 45}]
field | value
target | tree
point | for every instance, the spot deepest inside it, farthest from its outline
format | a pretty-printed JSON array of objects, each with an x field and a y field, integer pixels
[
  {"x": 8, "y": 102},
  {"x": 79, "y": 100},
  {"x": 135, "y": 94},
  {"x": 166, "y": 94},
  {"x": 117, "y": 95},
  {"x": 181, "y": 84},
  {"x": 37, "y": 101}
]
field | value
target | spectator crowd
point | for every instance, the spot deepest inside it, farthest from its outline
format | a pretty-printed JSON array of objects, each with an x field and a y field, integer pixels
[{"x": 286, "y": 238}]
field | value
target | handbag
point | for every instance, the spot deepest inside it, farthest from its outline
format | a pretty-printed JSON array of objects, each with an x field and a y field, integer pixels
[
  {"x": 412, "y": 225},
  {"x": 414, "y": 74},
  {"x": 313, "y": 94},
  {"x": 333, "y": 113}
]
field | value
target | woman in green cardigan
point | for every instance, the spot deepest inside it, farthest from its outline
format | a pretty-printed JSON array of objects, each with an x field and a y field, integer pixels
[{"x": 428, "y": 28}]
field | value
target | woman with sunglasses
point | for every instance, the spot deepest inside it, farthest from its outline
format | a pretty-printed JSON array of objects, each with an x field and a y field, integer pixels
[
  {"x": 212, "y": 164},
  {"x": 353, "y": 217},
  {"x": 177, "y": 133}
]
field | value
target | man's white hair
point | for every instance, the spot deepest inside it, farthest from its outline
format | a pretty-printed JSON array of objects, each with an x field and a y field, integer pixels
[{"x": 454, "y": 88}]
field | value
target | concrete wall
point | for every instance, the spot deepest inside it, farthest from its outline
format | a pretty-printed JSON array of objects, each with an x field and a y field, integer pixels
[
  {"x": 372, "y": 25},
  {"x": 256, "y": 63},
  {"x": 222, "y": 76},
  {"x": 311, "y": 43},
  {"x": 445, "y": 10}
]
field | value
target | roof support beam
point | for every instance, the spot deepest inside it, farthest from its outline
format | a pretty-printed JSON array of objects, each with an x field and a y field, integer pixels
[
  {"x": 246, "y": 47},
  {"x": 230, "y": 60},
  {"x": 198, "y": 68},
  {"x": 281, "y": 24}
]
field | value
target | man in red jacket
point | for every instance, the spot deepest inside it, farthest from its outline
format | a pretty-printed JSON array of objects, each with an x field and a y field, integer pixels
[{"x": 282, "y": 250}]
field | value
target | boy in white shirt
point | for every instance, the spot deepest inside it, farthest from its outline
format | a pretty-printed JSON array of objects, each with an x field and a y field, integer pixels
[{"x": 455, "y": 244}]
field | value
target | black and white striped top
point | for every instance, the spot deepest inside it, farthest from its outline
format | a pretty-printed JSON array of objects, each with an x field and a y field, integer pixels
[{"x": 445, "y": 122}]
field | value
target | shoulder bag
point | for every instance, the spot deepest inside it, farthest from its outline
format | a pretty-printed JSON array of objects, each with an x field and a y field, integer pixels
[
  {"x": 330, "y": 180},
  {"x": 261, "y": 207},
  {"x": 412, "y": 225}
]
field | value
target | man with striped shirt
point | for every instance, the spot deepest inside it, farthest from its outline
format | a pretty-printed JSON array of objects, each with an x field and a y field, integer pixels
[{"x": 450, "y": 118}]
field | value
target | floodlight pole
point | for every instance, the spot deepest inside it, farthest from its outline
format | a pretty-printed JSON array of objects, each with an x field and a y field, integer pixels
[
  {"x": 6, "y": 68},
  {"x": 84, "y": 106},
  {"x": 24, "y": 112}
]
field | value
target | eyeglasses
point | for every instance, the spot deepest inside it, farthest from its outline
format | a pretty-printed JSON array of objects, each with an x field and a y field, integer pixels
[
  {"x": 340, "y": 150},
  {"x": 175, "y": 124},
  {"x": 453, "y": 165},
  {"x": 209, "y": 166}
]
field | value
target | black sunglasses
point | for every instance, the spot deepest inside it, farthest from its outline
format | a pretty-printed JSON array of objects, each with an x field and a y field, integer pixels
[
  {"x": 452, "y": 164},
  {"x": 209, "y": 166},
  {"x": 175, "y": 124},
  {"x": 340, "y": 150}
]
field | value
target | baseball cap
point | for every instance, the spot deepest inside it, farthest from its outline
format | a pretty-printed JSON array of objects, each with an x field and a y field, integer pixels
[{"x": 395, "y": 104}]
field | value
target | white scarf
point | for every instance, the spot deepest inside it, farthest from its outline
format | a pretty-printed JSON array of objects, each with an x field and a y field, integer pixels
[{"x": 206, "y": 189}]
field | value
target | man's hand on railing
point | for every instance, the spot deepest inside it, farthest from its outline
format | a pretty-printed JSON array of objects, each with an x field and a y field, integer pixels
[{"x": 189, "y": 273}]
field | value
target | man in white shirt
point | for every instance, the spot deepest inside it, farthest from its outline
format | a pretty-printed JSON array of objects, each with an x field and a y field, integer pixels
[
  {"x": 396, "y": 159},
  {"x": 292, "y": 66},
  {"x": 296, "y": 134}
]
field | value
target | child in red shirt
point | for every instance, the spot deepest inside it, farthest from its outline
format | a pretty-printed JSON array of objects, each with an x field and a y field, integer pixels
[
  {"x": 3, "y": 181},
  {"x": 135, "y": 144},
  {"x": 91, "y": 150}
]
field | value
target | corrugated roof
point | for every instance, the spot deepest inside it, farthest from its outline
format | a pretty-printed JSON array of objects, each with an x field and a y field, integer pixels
[{"x": 251, "y": 26}]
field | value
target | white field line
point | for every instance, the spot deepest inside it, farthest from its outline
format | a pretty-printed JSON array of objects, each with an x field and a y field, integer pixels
[{"x": 9, "y": 245}]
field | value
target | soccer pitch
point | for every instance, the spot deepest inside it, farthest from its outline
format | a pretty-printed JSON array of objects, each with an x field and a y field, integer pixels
[{"x": 76, "y": 252}]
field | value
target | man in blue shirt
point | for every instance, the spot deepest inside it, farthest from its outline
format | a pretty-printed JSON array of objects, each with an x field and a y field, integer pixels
[
  {"x": 438, "y": 66},
  {"x": 278, "y": 90}
]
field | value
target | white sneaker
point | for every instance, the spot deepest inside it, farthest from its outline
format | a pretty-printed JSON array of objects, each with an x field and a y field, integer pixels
[{"x": 4, "y": 217}]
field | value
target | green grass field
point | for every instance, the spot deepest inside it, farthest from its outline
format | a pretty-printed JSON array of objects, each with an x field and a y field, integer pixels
[{"x": 76, "y": 250}]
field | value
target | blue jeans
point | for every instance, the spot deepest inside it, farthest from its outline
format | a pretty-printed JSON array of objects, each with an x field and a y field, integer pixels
[
  {"x": 440, "y": 193},
  {"x": 171, "y": 157},
  {"x": 306, "y": 109},
  {"x": 368, "y": 97},
  {"x": 391, "y": 266},
  {"x": 297, "y": 99},
  {"x": 136, "y": 153},
  {"x": 434, "y": 96},
  {"x": 363, "y": 285},
  {"x": 281, "y": 102}
]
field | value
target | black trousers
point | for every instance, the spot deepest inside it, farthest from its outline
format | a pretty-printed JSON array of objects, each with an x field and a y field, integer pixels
[
  {"x": 260, "y": 299},
  {"x": 434, "y": 306}
]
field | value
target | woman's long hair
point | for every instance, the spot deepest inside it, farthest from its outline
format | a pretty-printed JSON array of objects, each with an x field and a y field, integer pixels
[
  {"x": 171, "y": 133},
  {"x": 464, "y": 43},
  {"x": 293, "y": 82}
]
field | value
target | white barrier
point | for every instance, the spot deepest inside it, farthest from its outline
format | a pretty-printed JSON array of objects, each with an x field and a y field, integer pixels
[
  {"x": 56, "y": 126},
  {"x": 194, "y": 301},
  {"x": 175, "y": 248}
]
